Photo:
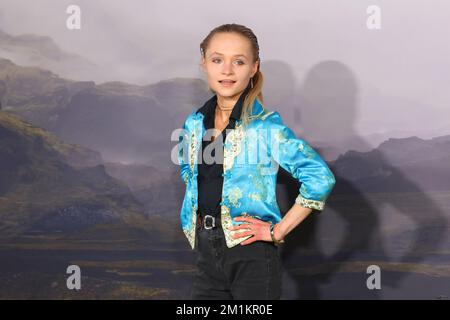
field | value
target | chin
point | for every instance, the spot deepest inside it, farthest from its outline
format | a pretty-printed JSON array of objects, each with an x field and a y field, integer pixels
[{"x": 227, "y": 92}]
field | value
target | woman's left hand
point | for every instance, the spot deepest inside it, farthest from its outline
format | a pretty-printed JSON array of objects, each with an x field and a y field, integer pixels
[{"x": 260, "y": 230}]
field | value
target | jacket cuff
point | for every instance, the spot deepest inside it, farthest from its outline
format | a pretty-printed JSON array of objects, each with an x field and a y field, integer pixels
[{"x": 308, "y": 203}]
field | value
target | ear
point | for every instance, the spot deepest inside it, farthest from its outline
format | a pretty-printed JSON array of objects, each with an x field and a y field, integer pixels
[
  {"x": 255, "y": 68},
  {"x": 203, "y": 64}
]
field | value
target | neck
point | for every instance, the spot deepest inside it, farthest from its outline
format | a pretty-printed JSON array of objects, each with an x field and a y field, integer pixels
[
  {"x": 225, "y": 107},
  {"x": 223, "y": 113},
  {"x": 225, "y": 103}
]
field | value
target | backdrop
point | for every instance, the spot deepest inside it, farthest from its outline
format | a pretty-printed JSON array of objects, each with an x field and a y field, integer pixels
[{"x": 91, "y": 92}]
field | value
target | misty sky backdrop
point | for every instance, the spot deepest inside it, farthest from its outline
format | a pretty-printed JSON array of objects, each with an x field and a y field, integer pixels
[{"x": 400, "y": 73}]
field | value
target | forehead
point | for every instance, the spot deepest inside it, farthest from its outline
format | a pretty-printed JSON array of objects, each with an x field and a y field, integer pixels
[{"x": 229, "y": 44}]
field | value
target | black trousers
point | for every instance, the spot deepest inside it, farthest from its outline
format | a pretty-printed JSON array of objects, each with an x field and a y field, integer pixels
[{"x": 243, "y": 272}]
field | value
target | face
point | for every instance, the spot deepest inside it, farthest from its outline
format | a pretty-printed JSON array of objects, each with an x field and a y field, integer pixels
[{"x": 229, "y": 57}]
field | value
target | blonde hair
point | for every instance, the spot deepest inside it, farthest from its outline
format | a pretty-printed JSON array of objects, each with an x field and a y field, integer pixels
[{"x": 256, "y": 91}]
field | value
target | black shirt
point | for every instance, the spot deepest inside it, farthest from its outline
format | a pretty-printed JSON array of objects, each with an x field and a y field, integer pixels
[{"x": 210, "y": 176}]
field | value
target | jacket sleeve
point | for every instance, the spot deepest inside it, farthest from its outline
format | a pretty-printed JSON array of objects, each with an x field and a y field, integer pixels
[
  {"x": 302, "y": 162},
  {"x": 183, "y": 153}
]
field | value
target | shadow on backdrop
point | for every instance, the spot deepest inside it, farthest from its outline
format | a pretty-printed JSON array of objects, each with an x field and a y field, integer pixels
[{"x": 318, "y": 254}]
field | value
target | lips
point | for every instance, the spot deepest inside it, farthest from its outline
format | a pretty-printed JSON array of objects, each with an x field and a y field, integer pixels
[{"x": 227, "y": 83}]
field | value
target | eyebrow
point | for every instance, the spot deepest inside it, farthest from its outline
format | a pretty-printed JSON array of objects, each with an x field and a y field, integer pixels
[{"x": 236, "y": 55}]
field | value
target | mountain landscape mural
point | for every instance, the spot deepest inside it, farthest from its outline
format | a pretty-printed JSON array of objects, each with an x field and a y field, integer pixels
[{"x": 86, "y": 178}]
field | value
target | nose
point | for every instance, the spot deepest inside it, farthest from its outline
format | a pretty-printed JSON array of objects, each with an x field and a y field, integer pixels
[{"x": 227, "y": 67}]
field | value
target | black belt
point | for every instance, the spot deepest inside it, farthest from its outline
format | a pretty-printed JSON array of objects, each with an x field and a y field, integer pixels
[{"x": 208, "y": 222}]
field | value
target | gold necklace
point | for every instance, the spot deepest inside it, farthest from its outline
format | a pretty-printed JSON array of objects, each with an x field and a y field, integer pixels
[
  {"x": 217, "y": 121},
  {"x": 224, "y": 109}
]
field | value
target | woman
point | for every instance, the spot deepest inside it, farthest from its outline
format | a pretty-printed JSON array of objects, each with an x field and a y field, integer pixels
[{"x": 228, "y": 153}]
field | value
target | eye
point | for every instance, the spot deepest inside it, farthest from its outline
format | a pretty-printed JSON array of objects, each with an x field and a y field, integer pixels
[{"x": 238, "y": 62}]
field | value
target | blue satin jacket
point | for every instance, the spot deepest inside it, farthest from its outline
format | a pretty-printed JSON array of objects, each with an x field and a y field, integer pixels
[{"x": 251, "y": 155}]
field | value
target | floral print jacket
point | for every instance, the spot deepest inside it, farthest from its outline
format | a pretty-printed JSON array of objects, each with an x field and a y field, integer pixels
[{"x": 251, "y": 155}]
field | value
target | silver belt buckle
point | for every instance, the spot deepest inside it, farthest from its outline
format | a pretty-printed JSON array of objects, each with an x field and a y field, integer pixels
[{"x": 213, "y": 222}]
